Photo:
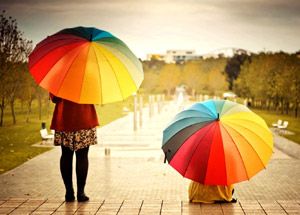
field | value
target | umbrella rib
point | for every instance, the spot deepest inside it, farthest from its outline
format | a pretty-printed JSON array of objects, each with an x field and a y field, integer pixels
[
  {"x": 68, "y": 71},
  {"x": 58, "y": 61},
  {"x": 237, "y": 150},
  {"x": 196, "y": 150},
  {"x": 249, "y": 144},
  {"x": 214, "y": 103},
  {"x": 192, "y": 117},
  {"x": 86, "y": 33},
  {"x": 209, "y": 156},
  {"x": 251, "y": 132},
  {"x": 208, "y": 113},
  {"x": 112, "y": 71},
  {"x": 98, "y": 64},
  {"x": 182, "y": 129},
  {"x": 206, "y": 108},
  {"x": 254, "y": 122},
  {"x": 193, "y": 110},
  {"x": 112, "y": 45},
  {"x": 58, "y": 39},
  {"x": 136, "y": 64},
  {"x": 126, "y": 52},
  {"x": 233, "y": 106},
  {"x": 188, "y": 125},
  {"x": 83, "y": 75},
  {"x": 122, "y": 64},
  {"x": 121, "y": 43}
]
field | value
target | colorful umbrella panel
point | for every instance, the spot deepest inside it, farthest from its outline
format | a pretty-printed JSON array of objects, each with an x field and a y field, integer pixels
[
  {"x": 86, "y": 65},
  {"x": 217, "y": 142}
]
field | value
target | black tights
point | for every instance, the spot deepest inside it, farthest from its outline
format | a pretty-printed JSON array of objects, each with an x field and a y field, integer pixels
[{"x": 82, "y": 165}]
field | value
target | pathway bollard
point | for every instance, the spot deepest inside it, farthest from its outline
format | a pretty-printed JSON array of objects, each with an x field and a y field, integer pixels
[
  {"x": 158, "y": 104},
  {"x": 107, "y": 151},
  {"x": 141, "y": 110},
  {"x": 135, "y": 109},
  {"x": 162, "y": 101},
  {"x": 150, "y": 105}
]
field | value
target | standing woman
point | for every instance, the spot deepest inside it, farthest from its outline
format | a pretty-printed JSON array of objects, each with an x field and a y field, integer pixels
[{"x": 75, "y": 130}]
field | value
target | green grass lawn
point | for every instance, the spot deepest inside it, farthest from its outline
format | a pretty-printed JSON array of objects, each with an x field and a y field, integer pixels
[
  {"x": 16, "y": 140},
  {"x": 272, "y": 117}
]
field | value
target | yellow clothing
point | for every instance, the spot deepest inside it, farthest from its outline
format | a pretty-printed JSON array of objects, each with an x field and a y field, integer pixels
[{"x": 209, "y": 194}]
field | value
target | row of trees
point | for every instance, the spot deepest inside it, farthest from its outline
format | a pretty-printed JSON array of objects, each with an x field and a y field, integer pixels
[
  {"x": 15, "y": 80},
  {"x": 271, "y": 81},
  {"x": 200, "y": 76}
]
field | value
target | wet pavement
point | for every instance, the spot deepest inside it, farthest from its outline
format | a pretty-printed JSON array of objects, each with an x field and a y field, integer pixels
[{"x": 131, "y": 178}]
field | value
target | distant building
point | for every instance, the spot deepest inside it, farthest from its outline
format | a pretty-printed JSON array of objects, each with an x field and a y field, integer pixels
[
  {"x": 179, "y": 56},
  {"x": 226, "y": 52},
  {"x": 175, "y": 56}
]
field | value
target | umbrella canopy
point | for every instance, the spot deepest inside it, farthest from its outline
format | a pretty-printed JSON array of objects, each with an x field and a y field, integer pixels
[
  {"x": 86, "y": 65},
  {"x": 217, "y": 143}
]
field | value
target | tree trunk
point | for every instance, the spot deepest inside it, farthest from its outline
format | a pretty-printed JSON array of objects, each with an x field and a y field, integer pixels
[
  {"x": 296, "y": 109},
  {"x": 40, "y": 107},
  {"x": 22, "y": 106},
  {"x": 12, "y": 108},
  {"x": 28, "y": 111},
  {"x": 287, "y": 106},
  {"x": 282, "y": 106},
  {"x": 268, "y": 105},
  {"x": 48, "y": 108},
  {"x": 2, "y": 111},
  {"x": 168, "y": 93}
]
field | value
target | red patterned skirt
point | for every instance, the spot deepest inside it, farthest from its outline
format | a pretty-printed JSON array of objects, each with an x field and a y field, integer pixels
[{"x": 76, "y": 139}]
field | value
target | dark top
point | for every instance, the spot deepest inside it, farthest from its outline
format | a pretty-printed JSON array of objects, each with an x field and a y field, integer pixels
[{"x": 70, "y": 116}]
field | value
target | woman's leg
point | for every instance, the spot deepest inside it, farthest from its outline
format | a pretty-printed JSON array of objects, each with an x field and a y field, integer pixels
[
  {"x": 66, "y": 161},
  {"x": 82, "y": 165}
]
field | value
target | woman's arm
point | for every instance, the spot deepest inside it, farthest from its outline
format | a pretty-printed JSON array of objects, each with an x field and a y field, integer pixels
[{"x": 54, "y": 99}]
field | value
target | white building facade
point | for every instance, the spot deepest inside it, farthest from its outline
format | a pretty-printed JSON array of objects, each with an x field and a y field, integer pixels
[{"x": 176, "y": 56}]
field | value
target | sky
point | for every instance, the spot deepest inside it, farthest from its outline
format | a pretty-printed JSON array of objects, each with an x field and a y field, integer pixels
[{"x": 154, "y": 26}]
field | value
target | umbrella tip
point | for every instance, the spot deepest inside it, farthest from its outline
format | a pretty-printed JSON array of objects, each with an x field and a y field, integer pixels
[{"x": 218, "y": 117}]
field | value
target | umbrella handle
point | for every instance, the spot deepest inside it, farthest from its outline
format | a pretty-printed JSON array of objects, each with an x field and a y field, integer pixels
[{"x": 165, "y": 160}]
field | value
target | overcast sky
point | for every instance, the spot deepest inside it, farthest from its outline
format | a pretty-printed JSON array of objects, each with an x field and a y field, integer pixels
[{"x": 153, "y": 26}]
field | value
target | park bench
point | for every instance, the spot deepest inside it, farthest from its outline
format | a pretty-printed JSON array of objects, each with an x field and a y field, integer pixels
[
  {"x": 275, "y": 125},
  {"x": 282, "y": 128},
  {"x": 45, "y": 136}
]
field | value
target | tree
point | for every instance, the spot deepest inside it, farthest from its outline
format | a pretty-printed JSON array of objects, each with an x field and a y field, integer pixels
[
  {"x": 192, "y": 76},
  {"x": 14, "y": 50},
  {"x": 216, "y": 82},
  {"x": 150, "y": 82},
  {"x": 233, "y": 68},
  {"x": 27, "y": 91},
  {"x": 272, "y": 80},
  {"x": 169, "y": 77}
]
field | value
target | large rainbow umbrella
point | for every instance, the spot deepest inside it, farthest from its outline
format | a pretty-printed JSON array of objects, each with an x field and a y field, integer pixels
[
  {"x": 86, "y": 65},
  {"x": 217, "y": 142}
]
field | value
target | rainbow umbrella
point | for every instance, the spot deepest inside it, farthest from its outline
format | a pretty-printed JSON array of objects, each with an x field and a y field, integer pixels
[
  {"x": 86, "y": 65},
  {"x": 217, "y": 143}
]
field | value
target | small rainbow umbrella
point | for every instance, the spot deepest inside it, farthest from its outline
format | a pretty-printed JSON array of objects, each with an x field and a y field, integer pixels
[
  {"x": 217, "y": 142},
  {"x": 86, "y": 65}
]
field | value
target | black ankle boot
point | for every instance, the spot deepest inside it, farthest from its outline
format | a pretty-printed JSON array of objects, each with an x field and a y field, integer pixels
[
  {"x": 81, "y": 197},
  {"x": 69, "y": 197}
]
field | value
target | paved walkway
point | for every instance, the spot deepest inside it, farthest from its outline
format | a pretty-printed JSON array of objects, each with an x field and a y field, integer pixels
[{"x": 134, "y": 180}]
